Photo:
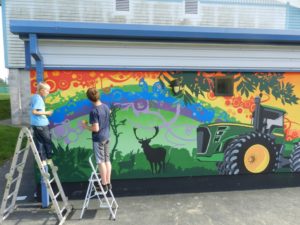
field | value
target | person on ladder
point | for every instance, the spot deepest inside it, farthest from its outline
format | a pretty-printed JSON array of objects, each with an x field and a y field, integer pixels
[
  {"x": 99, "y": 120},
  {"x": 41, "y": 131}
]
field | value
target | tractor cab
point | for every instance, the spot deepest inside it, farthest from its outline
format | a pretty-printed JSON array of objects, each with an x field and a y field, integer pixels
[{"x": 266, "y": 119}]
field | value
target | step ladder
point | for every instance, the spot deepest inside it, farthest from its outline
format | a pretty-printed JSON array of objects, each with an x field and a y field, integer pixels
[
  {"x": 14, "y": 178},
  {"x": 106, "y": 198}
]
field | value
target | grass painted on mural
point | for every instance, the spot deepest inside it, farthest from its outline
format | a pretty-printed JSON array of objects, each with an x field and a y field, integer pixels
[
  {"x": 179, "y": 162},
  {"x": 177, "y": 124},
  {"x": 8, "y": 140},
  {"x": 128, "y": 157}
]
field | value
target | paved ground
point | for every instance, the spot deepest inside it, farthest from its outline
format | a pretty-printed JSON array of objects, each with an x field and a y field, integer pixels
[
  {"x": 266, "y": 206},
  {"x": 238, "y": 207}
]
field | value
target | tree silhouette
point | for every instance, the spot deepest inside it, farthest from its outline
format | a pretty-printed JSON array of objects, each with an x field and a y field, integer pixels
[
  {"x": 193, "y": 84},
  {"x": 115, "y": 126},
  {"x": 269, "y": 83}
]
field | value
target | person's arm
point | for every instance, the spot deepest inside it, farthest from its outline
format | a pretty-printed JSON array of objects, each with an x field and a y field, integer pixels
[
  {"x": 37, "y": 105},
  {"x": 40, "y": 113},
  {"x": 93, "y": 128}
]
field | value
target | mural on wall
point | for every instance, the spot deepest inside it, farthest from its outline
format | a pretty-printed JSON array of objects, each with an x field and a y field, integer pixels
[{"x": 169, "y": 124}]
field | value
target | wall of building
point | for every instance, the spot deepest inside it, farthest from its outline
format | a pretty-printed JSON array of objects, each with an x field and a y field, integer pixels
[
  {"x": 19, "y": 87},
  {"x": 152, "y": 55},
  {"x": 268, "y": 15},
  {"x": 151, "y": 124}
]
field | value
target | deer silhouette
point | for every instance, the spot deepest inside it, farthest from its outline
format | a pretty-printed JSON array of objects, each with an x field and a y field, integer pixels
[
  {"x": 155, "y": 156},
  {"x": 128, "y": 164}
]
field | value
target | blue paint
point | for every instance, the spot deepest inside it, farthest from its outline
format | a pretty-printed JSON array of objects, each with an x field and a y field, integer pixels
[
  {"x": 50, "y": 29},
  {"x": 79, "y": 108}
]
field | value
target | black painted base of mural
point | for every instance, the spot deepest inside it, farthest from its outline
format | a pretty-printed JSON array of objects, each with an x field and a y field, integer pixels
[{"x": 156, "y": 186}]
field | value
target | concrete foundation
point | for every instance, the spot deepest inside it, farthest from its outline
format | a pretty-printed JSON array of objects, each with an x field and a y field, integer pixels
[{"x": 19, "y": 88}]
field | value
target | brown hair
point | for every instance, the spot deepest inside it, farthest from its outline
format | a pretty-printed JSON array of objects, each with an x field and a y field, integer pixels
[{"x": 93, "y": 94}]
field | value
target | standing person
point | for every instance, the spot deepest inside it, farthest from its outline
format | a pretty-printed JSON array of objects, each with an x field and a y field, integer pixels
[
  {"x": 40, "y": 123},
  {"x": 99, "y": 120}
]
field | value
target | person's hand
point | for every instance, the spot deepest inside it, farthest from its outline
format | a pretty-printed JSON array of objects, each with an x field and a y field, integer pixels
[
  {"x": 84, "y": 124},
  {"x": 49, "y": 113}
]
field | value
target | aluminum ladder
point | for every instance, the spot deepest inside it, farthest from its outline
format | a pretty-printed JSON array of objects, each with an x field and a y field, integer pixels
[
  {"x": 14, "y": 178},
  {"x": 102, "y": 196}
]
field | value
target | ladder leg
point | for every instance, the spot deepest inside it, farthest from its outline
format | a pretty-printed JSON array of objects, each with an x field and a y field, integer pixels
[
  {"x": 87, "y": 198},
  {"x": 62, "y": 212},
  {"x": 95, "y": 178},
  {"x": 15, "y": 165},
  {"x": 20, "y": 173}
]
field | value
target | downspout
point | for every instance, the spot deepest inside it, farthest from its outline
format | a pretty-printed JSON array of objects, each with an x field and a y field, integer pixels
[{"x": 34, "y": 52}]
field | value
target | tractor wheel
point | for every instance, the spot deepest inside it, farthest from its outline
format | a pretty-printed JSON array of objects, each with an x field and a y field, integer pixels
[
  {"x": 295, "y": 158},
  {"x": 221, "y": 165},
  {"x": 252, "y": 153}
]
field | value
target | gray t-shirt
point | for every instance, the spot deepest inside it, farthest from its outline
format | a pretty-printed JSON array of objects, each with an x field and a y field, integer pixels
[{"x": 100, "y": 115}]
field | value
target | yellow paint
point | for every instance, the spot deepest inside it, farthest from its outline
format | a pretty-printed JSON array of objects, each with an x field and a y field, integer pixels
[{"x": 256, "y": 158}]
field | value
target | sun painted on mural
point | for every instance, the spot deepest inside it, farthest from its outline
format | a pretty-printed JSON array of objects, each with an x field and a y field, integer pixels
[{"x": 156, "y": 132}]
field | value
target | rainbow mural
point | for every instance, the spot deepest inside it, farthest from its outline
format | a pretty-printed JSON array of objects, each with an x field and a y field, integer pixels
[{"x": 156, "y": 133}]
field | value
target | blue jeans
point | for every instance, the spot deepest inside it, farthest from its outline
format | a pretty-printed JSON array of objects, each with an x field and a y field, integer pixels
[{"x": 42, "y": 140}]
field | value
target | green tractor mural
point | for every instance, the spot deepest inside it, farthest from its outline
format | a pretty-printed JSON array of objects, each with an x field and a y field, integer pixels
[{"x": 242, "y": 148}]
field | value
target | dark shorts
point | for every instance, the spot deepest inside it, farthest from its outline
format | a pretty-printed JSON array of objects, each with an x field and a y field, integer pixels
[{"x": 101, "y": 151}]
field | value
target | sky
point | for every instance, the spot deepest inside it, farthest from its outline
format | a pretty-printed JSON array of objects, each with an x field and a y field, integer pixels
[{"x": 3, "y": 70}]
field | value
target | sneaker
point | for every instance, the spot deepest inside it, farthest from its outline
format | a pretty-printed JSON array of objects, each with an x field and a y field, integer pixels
[
  {"x": 105, "y": 187},
  {"x": 49, "y": 161},
  {"x": 98, "y": 189},
  {"x": 109, "y": 186}
]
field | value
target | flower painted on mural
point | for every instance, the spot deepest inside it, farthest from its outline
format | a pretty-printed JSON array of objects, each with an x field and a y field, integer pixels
[
  {"x": 211, "y": 95},
  {"x": 63, "y": 84},
  {"x": 141, "y": 105}
]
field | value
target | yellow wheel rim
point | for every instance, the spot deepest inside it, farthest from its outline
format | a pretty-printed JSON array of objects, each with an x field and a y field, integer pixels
[{"x": 257, "y": 158}]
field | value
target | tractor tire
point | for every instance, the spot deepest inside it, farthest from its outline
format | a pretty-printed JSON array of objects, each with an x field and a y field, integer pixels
[
  {"x": 221, "y": 165},
  {"x": 252, "y": 153},
  {"x": 295, "y": 158}
]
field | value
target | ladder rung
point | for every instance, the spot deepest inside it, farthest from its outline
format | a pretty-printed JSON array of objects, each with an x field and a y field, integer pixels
[
  {"x": 61, "y": 211},
  {"x": 10, "y": 195},
  {"x": 22, "y": 150},
  {"x": 50, "y": 181},
  {"x": 57, "y": 195},
  {"x": 14, "y": 180},
  {"x": 20, "y": 164},
  {"x": 8, "y": 208}
]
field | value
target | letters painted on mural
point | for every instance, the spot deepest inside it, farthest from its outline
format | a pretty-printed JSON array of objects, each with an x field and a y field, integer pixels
[{"x": 169, "y": 124}]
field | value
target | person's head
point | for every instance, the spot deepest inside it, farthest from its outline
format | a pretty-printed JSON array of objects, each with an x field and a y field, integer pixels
[
  {"x": 93, "y": 94},
  {"x": 43, "y": 89}
]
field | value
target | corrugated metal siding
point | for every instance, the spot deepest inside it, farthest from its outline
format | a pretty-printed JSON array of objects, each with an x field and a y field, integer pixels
[
  {"x": 130, "y": 55},
  {"x": 294, "y": 18},
  {"x": 141, "y": 12}
]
